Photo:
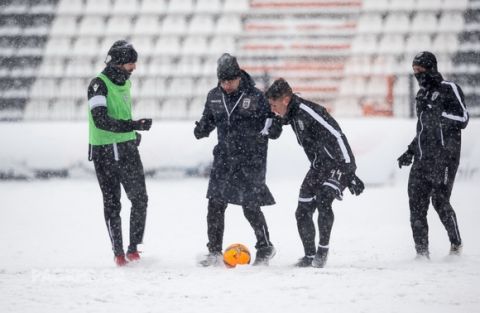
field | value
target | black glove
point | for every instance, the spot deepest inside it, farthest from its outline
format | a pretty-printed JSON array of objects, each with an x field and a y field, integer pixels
[
  {"x": 138, "y": 139},
  {"x": 405, "y": 159},
  {"x": 355, "y": 185},
  {"x": 142, "y": 124}
]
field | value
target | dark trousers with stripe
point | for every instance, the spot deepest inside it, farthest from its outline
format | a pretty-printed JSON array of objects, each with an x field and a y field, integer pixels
[
  {"x": 216, "y": 224},
  {"x": 425, "y": 185},
  {"x": 115, "y": 167},
  {"x": 318, "y": 191}
]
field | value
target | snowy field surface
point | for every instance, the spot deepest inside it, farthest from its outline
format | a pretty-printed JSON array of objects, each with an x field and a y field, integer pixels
[{"x": 56, "y": 255}]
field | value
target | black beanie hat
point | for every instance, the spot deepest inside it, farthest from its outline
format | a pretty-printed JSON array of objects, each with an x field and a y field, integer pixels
[
  {"x": 121, "y": 52},
  {"x": 227, "y": 68},
  {"x": 427, "y": 60}
]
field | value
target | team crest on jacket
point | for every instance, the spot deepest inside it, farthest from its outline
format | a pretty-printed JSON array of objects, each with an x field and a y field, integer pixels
[
  {"x": 246, "y": 103},
  {"x": 435, "y": 95},
  {"x": 301, "y": 125}
]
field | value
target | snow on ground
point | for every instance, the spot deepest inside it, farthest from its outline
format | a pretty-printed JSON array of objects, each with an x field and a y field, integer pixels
[{"x": 55, "y": 254}]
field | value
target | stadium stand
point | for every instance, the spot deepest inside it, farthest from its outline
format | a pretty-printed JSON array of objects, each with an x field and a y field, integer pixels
[{"x": 353, "y": 56}]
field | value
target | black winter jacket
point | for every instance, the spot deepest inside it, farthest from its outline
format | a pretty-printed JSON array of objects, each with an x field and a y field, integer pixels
[
  {"x": 244, "y": 124},
  {"x": 320, "y": 136},
  {"x": 441, "y": 115}
]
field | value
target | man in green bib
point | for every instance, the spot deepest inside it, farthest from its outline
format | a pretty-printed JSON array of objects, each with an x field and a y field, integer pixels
[{"x": 113, "y": 142}]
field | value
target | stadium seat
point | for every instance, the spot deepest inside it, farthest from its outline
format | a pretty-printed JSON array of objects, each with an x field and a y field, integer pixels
[
  {"x": 175, "y": 108},
  {"x": 58, "y": 47},
  {"x": 92, "y": 26},
  {"x": 44, "y": 89},
  {"x": 396, "y": 23},
  {"x": 370, "y": 23},
  {"x": 424, "y": 22},
  {"x": 143, "y": 44},
  {"x": 208, "y": 6},
  {"x": 37, "y": 109},
  {"x": 190, "y": 66},
  {"x": 445, "y": 43},
  {"x": 459, "y": 5},
  {"x": 229, "y": 24},
  {"x": 151, "y": 88},
  {"x": 221, "y": 44},
  {"x": 418, "y": 42},
  {"x": 98, "y": 7},
  {"x": 194, "y": 45},
  {"x": 79, "y": 67},
  {"x": 86, "y": 46},
  {"x": 162, "y": 66},
  {"x": 201, "y": 25},
  {"x": 365, "y": 44},
  {"x": 166, "y": 46},
  {"x": 430, "y": 5},
  {"x": 51, "y": 67},
  {"x": 119, "y": 26},
  {"x": 63, "y": 25},
  {"x": 180, "y": 7},
  {"x": 235, "y": 6},
  {"x": 392, "y": 43},
  {"x": 146, "y": 25},
  {"x": 374, "y": 5},
  {"x": 451, "y": 22},
  {"x": 174, "y": 25},
  {"x": 153, "y": 7},
  {"x": 70, "y": 7},
  {"x": 180, "y": 87},
  {"x": 402, "y": 5},
  {"x": 146, "y": 108},
  {"x": 125, "y": 7}
]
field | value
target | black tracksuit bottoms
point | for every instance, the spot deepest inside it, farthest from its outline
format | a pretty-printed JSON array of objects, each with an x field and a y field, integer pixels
[
  {"x": 423, "y": 186},
  {"x": 318, "y": 191},
  {"x": 115, "y": 166},
  {"x": 216, "y": 224}
]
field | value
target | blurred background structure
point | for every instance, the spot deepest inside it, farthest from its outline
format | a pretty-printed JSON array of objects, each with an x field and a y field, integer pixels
[{"x": 353, "y": 56}]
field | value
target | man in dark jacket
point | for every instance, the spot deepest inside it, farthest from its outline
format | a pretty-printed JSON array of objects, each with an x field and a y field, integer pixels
[
  {"x": 332, "y": 167},
  {"x": 435, "y": 149},
  {"x": 113, "y": 148},
  {"x": 244, "y": 123}
]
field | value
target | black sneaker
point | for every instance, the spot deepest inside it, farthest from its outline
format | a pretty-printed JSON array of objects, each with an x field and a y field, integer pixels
[
  {"x": 212, "y": 259},
  {"x": 456, "y": 249},
  {"x": 320, "y": 258},
  {"x": 306, "y": 261},
  {"x": 264, "y": 255}
]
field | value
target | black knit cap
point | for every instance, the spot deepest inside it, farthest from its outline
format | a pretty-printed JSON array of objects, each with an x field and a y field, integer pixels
[
  {"x": 427, "y": 60},
  {"x": 121, "y": 52},
  {"x": 227, "y": 67}
]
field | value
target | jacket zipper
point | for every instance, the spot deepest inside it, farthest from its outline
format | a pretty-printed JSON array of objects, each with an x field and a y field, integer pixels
[
  {"x": 441, "y": 135},
  {"x": 419, "y": 136}
]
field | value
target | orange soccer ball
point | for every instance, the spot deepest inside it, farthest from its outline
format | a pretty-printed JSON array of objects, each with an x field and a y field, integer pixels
[{"x": 236, "y": 254}]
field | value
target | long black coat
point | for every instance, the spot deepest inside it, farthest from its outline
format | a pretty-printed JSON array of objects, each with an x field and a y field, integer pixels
[
  {"x": 442, "y": 115},
  {"x": 240, "y": 157}
]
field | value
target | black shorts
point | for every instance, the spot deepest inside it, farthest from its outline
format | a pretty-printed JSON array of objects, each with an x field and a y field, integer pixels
[{"x": 318, "y": 181}]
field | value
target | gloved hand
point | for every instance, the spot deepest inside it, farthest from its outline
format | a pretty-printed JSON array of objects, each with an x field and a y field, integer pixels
[
  {"x": 355, "y": 185},
  {"x": 142, "y": 124},
  {"x": 405, "y": 159},
  {"x": 138, "y": 139}
]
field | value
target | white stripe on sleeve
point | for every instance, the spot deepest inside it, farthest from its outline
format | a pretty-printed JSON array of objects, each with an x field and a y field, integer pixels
[
  {"x": 329, "y": 127},
  {"x": 97, "y": 101},
  {"x": 463, "y": 118}
]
